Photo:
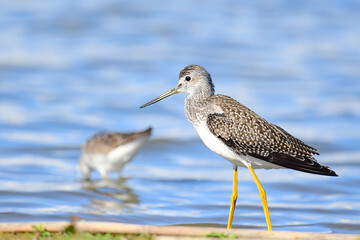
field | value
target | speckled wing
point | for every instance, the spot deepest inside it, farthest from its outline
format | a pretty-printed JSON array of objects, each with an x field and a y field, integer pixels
[
  {"x": 104, "y": 142},
  {"x": 246, "y": 133}
]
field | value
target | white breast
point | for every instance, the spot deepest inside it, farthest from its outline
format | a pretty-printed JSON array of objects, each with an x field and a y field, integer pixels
[{"x": 217, "y": 146}]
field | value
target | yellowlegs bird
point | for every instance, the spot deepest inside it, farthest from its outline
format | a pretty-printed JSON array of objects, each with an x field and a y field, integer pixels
[
  {"x": 110, "y": 151},
  {"x": 239, "y": 135}
]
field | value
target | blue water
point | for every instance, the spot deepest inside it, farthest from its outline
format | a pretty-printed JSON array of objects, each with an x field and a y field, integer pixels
[{"x": 69, "y": 69}]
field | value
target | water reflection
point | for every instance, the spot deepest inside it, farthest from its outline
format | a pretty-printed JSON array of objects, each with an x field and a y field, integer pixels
[{"x": 112, "y": 197}]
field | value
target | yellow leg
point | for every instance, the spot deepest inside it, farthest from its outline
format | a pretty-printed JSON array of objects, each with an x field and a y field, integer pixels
[
  {"x": 105, "y": 177},
  {"x": 233, "y": 198},
  {"x": 263, "y": 198}
]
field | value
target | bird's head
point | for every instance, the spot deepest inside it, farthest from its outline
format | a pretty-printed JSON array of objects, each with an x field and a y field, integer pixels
[{"x": 193, "y": 79}]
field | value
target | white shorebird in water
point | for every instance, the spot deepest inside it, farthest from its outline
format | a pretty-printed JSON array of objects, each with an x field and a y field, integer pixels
[
  {"x": 239, "y": 135},
  {"x": 110, "y": 151}
]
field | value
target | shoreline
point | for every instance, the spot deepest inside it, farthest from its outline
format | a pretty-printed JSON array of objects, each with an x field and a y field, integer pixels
[{"x": 165, "y": 232}]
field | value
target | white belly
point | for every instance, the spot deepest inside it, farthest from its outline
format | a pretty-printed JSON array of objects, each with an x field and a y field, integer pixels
[
  {"x": 126, "y": 152},
  {"x": 217, "y": 146},
  {"x": 115, "y": 159}
]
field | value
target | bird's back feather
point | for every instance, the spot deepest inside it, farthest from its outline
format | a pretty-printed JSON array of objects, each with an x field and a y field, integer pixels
[{"x": 246, "y": 133}]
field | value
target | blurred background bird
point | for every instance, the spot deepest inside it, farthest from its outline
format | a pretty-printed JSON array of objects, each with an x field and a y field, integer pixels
[{"x": 110, "y": 151}]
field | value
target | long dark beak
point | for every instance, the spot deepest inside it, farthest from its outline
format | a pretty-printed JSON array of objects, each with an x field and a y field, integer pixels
[{"x": 162, "y": 96}]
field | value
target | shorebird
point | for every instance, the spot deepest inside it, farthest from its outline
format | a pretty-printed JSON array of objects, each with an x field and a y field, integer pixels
[
  {"x": 239, "y": 135},
  {"x": 110, "y": 151}
]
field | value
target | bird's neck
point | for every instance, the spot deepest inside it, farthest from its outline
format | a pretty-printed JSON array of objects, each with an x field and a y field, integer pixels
[
  {"x": 195, "y": 103},
  {"x": 199, "y": 95}
]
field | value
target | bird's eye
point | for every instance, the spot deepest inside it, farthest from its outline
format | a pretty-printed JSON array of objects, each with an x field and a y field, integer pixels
[{"x": 188, "y": 78}]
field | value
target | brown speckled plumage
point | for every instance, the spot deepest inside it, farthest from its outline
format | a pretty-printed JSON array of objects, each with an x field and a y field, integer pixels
[
  {"x": 110, "y": 151},
  {"x": 239, "y": 135},
  {"x": 245, "y": 132},
  {"x": 103, "y": 143}
]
